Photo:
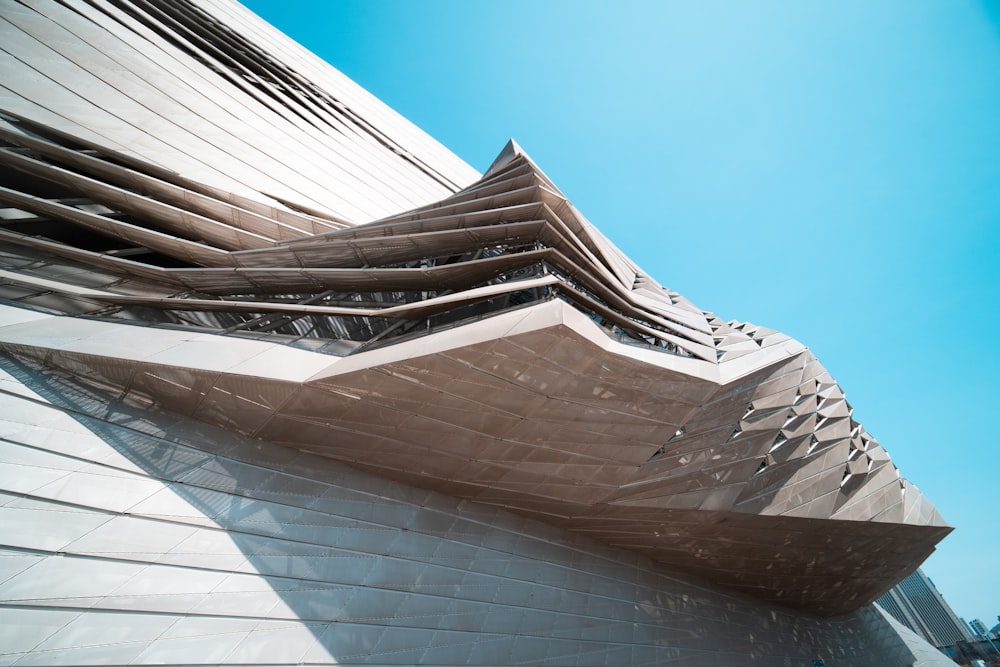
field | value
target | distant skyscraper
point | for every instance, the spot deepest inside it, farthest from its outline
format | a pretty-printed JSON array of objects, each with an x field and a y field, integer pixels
[
  {"x": 916, "y": 603},
  {"x": 979, "y": 628}
]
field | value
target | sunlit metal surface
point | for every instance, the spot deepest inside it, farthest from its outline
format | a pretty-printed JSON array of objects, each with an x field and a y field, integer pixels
[{"x": 201, "y": 219}]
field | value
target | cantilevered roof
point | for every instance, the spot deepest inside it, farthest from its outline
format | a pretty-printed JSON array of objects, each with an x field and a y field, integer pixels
[{"x": 476, "y": 335}]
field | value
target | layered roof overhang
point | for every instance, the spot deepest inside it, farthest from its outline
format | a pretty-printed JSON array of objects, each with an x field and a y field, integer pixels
[{"x": 489, "y": 343}]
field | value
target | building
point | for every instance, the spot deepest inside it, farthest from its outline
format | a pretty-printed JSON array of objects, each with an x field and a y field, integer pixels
[
  {"x": 285, "y": 381},
  {"x": 979, "y": 628},
  {"x": 916, "y": 603}
]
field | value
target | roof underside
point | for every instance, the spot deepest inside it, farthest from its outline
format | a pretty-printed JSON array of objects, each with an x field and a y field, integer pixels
[{"x": 195, "y": 244}]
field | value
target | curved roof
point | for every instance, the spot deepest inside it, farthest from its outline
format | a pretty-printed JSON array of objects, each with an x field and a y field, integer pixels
[{"x": 483, "y": 339}]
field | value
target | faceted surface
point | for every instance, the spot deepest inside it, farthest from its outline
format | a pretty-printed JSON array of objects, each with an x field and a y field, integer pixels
[
  {"x": 132, "y": 536},
  {"x": 227, "y": 272}
]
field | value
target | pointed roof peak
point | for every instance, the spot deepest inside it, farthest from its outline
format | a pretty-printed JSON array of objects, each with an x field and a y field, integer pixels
[{"x": 510, "y": 151}]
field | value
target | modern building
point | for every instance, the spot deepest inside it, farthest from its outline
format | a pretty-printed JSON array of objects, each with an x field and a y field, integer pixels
[
  {"x": 916, "y": 603},
  {"x": 285, "y": 381},
  {"x": 979, "y": 628}
]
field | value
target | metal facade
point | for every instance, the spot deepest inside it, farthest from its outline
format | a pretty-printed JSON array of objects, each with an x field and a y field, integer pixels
[{"x": 228, "y": 273}]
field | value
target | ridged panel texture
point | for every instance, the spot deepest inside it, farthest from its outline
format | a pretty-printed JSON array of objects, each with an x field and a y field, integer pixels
[
  {"x": 206, "y": 90},
  {"x": 270, "y": 275},
  {"x": 133, "y": 537},
  {"x": 493, "y": 345}
]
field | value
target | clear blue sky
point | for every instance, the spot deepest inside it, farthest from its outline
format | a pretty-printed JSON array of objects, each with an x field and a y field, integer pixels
[{"x": 831, "y": 170}]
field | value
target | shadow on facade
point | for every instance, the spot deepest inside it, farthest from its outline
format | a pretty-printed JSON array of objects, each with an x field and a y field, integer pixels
[{"x": 328, "y": 564}]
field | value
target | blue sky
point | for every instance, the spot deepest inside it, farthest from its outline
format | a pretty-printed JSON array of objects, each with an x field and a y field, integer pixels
[{"x": 831, "y": 170}]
